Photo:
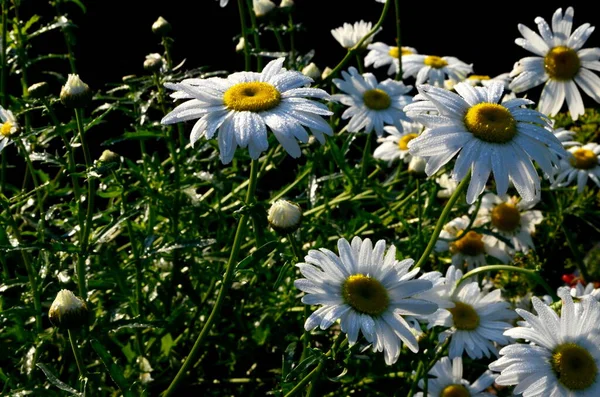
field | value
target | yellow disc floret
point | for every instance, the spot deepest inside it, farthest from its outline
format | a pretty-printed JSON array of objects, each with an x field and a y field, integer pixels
[
  {"x": 584, "y": 159},
  {"x": 455, "y": 391},
  {"x": 6, "y": 129},
  {"x": 377, "y": 99},
  {"x": 470, "y": 244},
  {"x": 562, "y": 63},
  {"x": 435, "y": 62},
  {"x": 464, "y": 317},
  {"x": 394, "y": 52},
  {"x": 403, "y": 142},
  {"x": 491, "y": 122},
  {"x": 506, "y": 217},
  {"x": 365, "y": 294},
  {"x": 254, "y": 96},
  {"x": 574, "y": 366}
]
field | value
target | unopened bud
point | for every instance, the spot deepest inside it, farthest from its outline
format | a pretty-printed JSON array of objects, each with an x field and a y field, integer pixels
[
  {"x": 284, "y": 216},
  {"x": 68, "y": 311},
  {"x": 108, "y": 156},
  {"x": 311, "y": 70},
  {"x": 416, "y": 166},
  {"x": 75, "y": 93},
  {"x": 161, "y": 27},
  {"x": 38, "y": 90},
  {"x": 326, "y": 72},
  {"x": 262, "y": 7},
  {"x": 240, "y": 45},
  {"x": 286, "y": 3},
  {"x": 154, "y": 62}
]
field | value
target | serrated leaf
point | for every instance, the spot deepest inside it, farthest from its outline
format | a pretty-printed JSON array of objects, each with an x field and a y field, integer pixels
[
  {"x": 260, "y": 253},
  {"x": 57, "y": 382}
]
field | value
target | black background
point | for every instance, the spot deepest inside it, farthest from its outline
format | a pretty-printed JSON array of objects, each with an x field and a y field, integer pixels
[{"x": 114, "y": 36}]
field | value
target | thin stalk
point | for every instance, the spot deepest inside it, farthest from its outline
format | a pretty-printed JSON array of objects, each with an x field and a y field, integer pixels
[
  {"x": 532, "y": 274},
  {"x": 398, "y": 41},
  {"x": 359, "y": 63},
  {"x": 247, "y": 64},
  {"x": 167, "y": 47},
  {"x": 70, "y": 53},
  {"x": 257, "y": 46},
  {"x": 442, "y": 220},
  {"x": 419, "y": 214},
  {"x": 4, "y": 71},
  {"x": 306, "y": 334},
  {"x": 359, "y": 45},
  {"x": 576, "y": 254},
  {"x": 365, "y": 159},
  {"x": 81, "y": 277},
  {"x": 227, "y": 279},
  {"x": 38, "y": 192},
  {"x": 77, "y": 354},
  {"x": 291, "y": 29}
]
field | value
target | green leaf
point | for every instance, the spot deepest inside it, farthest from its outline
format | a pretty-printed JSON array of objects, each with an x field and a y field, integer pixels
[
  {"x": 137, "y": 135},
  {"x": 260, "y": 253},
  {"x": 79, "y": 3},
  {"x": 57, "y": 382},
  {"x": 166, "y": 343}
]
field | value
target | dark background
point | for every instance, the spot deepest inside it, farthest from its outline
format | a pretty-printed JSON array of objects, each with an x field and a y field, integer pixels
[{"x": 115, "y": 36}]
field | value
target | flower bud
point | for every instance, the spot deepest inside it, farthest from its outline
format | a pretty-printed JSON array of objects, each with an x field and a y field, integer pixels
[
  {"x": 108, "y": 156},
  {"x": 416, "y": 166},
  {"x": 38, "y": 90},
  {"x": 326, "y": 72},
  {"x": 68, "y": 311},
  {"x": 311, "y": 70},
  {"x": 154, "y": 62},
  {"x": 262, "y": 7},
  {"x": 284, "y": 216},
  {"x": 75, "y": 93},
  {"x": 161, "y": 27},
  {"x": 240, "y": 45},
  {"x": 286, "y": 3}
]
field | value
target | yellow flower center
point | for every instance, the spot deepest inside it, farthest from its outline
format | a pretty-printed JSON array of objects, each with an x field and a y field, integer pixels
[
  {"x": 365, "y": 294},
  {"x": 435, "y": 62},
  {"x": 470, "y": 244},
  {"x": 465, "y": 318},
  {"x": 377, "y": 99},
  {"x": 562, "y": 63},
  {"x": 403, "y": 142},
  {"x": 506, "y": 217},
  {"x": 491, "y": 122},
  {"x": 254, "y": 96},
  {"x": 583, "y": 159},
  {"x": 455, "y": 391},
  {"x": 394, "y": 52},
  {"x": 478, "y": 77},
  {"x": 574, "y": 366},
  {"x": 5, "y": 129}
]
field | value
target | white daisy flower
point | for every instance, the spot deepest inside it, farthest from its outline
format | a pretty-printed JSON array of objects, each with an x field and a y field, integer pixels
[
  {"x": 349, "y": 35},
  {"x": 447, "y": 184},
  {"x": 566, "y": 137},
  {"x": 242, "y": 106},
  {"x": 381, "y": 54},
  {"x": 579, "y": 291},
  {"x": 477, "y": 320},
  {"x": 368, "y": 290},
  {"x": 491, "y": 137},
  {"x": 560, "y": 63},
  {"x": 8, "y": 127},
  {"x": 468, "y": 248},
  {"x": 511, "y": 218},
  {"x": 562, "y": 358},
  {"x": 371, "y": 104},
  {"x": 434, "y": 70},
  {"x": 449, "y": 382},
  {"x": 223, "y": 3},
  {"x": 395, "y": 145},
  {"x": 581, "y": 164}
]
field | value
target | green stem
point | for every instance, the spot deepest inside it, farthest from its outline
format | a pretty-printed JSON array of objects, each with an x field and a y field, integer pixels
[
  {"x": 115, "y": 372},
  {"x": 77, "y": 354},
  {"x": 306, "y": 334},
  {"x": 359, "y": 45},
  {"x": 532, "y": 274},
  {"x": 257, "y": 46},
  {"x": 227, "y": 279},
  {"x": 359, "y": 63},
  {"x": 576, "y": 254},
  {"x": 365, "y": 159},
  {"x": 165, "y": 43},
  {"x": 38, "y": 192},
  {"x": 291, "y": 29},
  {"x": 247, "y": 64},
  {"x": 86, "y": 227},
  {"x": 442, "y": 220},
  {"x": 398, "y": 41},
  {"x": 419, "y": 214},
  {"x": 67, "y": 38},
  {"x": 3, "y": 86}
]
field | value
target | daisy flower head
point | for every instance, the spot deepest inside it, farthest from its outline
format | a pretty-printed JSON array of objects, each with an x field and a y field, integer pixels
[
  {"x": 8, "y": 127},
  {"x": 579, "y": 291},
  {"x": 468, "y": 247},
  {"x": 488, "y": 136},
  {"x": 349, "y": 35},
  {"x": 511, "y": 218},
  {"x": 381, "y": 54},
  {"x": 241, "y": 107},
  {"x": 448, "y": 381},
  {"x": 433, "y": 69},
  {"x": 560, "y": 63},
  {"x": 566, "y": 137},
  {"x": 368, "y": 290},
  {"x": 395, "y": 145},
  {"x": 447, "y": 186},
  {"x": 476, "y": 322},
  {"x": 580, "y": 164},
  {"x": 371, "y": 104},
  {"x": 561, "y": 354}
]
